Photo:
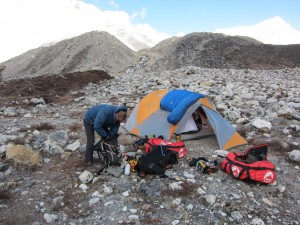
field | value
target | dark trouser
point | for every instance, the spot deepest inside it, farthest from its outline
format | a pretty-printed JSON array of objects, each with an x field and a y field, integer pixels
[{"x": 90, "y": 136}]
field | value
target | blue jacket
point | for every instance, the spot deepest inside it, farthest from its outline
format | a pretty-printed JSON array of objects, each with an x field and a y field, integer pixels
[{"x": 103, "y": 119}]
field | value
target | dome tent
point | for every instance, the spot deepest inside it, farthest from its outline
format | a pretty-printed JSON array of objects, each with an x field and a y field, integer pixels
[{"x": 166, "y": 112}]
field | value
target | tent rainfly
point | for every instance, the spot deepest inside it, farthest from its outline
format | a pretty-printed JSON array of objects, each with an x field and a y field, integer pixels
[{"x": 166, "y": 112}]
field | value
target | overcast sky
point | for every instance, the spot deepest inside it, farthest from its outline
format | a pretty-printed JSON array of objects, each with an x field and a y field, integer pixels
[{"x": 27, "y": 24}]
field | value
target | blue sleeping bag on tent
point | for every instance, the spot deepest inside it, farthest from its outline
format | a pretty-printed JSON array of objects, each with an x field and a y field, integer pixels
[{"x": 177, "y": 102}]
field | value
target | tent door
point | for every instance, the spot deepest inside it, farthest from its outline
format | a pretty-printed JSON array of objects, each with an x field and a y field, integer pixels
[
  {"x": 203, "y": 119},
  {"x": 204, "y": 129}
]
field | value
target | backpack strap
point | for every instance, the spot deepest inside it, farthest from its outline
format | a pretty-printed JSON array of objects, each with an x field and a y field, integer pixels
[{"x": 162, "y": 151}]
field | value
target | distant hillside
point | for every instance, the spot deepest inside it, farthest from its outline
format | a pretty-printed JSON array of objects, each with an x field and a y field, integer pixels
[
  {"x": 100, "y": 51},
  {"x": 220, "y": 51},
  {"x": 90, "y": 51}
]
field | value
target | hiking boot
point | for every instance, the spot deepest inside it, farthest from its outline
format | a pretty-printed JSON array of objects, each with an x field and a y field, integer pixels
[
  {"x": 88, "y": 164},
  {"x": 92, "y": 167}
]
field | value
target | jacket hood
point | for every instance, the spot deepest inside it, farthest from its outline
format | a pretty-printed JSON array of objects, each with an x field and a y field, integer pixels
[{"x": 121, "y": 108}]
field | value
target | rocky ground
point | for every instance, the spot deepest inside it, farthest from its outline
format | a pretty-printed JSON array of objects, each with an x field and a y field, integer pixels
[{"x": 43, "y": 185}]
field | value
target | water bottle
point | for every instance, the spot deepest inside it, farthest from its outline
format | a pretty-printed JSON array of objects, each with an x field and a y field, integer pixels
[{"x": 127, "y": 169}]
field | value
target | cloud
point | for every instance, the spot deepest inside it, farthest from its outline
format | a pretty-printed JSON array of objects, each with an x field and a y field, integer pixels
[
  {"x": 271, "y": 31},
  {"x": 112, "y": 3},
  {"x": 141, "y": 13},
  {"x": 28, "y": 24},
  {"x": 180, "y": 34}
]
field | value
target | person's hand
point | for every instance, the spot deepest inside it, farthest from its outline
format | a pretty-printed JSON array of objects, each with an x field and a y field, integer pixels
[
  {"x": 112, "y": 137},
  {"x": 104, "y": 138}
]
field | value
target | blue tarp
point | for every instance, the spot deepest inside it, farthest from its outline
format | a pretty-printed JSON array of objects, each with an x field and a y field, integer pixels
[{"x": 177, "y": 102}]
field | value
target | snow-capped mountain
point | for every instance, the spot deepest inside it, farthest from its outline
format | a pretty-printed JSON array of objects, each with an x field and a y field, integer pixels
[{"x": 271, "y": 31}]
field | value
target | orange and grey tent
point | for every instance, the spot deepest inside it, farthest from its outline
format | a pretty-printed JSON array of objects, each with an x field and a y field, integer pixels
[{"x": 147, "y": 118}]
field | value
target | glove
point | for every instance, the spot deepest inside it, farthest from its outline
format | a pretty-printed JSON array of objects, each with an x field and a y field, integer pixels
[{"x": 112, "y": 137}]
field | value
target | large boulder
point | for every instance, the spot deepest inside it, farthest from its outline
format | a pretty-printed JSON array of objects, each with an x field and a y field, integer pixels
[{"x": 23, "y": 155}]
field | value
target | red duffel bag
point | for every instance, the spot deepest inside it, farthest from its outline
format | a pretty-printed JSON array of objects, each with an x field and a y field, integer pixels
[
  {"x": 178, "y": 146},
  {"x": 252, "y": 165}
]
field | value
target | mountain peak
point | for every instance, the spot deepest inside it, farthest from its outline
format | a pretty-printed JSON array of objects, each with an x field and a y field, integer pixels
[
  {"x": 275, "y": 23},
  {"x": 275, "y": 19},
  {"x": 271, "y": 31}
]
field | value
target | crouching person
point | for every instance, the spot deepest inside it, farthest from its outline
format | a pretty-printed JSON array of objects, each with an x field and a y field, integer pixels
[{"x": 105, "y": 120}]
